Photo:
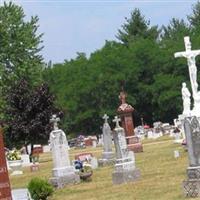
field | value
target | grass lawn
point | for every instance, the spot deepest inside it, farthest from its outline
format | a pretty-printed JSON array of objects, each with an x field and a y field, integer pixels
[{"x": 161, "y": 176}]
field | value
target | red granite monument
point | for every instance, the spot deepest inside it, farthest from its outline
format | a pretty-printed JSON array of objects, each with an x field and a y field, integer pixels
[
  {"x": 5, "y": 191},
  {"x": 125, "y": 112}
]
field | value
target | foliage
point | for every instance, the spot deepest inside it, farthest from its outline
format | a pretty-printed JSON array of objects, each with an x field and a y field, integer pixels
[
  {"x": 13, "y": 155},
  {"x": 135, "y": 27},
  {"x": 40, "y": 189},
  {"x": 141, "y": 62},
  {"x": 19, "y": 49},
  {"x": 28, "y": 113}
]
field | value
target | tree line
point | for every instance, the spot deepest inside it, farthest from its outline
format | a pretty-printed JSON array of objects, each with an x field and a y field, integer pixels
[{"x": 140, "y": 61}]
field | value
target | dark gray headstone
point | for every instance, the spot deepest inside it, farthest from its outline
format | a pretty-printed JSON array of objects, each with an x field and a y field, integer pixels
[{"x": 191, "y": 186}]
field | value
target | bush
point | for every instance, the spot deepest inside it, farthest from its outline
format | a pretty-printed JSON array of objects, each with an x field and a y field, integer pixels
[{"x": 40, "y": 189}]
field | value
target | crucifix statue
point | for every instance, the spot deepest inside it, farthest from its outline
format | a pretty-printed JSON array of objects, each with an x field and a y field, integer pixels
[
  {"x": 105, "y": 117},
  {"x": 117, "y": 120},
  {"x": 55, "y": 121},
  {"x": 190, "y": 56}
]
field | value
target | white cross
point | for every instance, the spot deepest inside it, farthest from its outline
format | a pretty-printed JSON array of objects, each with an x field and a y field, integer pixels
[
  {"x": 55, "y": 121},
  {"x": 190, "y": 56},
  {"x": 117, "y": 120},
  {"x": 105, "y": 117}
]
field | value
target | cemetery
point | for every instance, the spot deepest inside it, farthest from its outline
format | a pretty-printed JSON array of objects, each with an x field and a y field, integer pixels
[{"x": 123, "y": 123}]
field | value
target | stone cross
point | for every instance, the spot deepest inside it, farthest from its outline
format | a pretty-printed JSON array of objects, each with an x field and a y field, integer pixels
[
  {"x": 105, "y": 117},
  {"x": 55, "y": 121},
  {"x": 190, "y": 56},
  {"x": 122, "y": 97},
  {"x": 117, "y": 120}
]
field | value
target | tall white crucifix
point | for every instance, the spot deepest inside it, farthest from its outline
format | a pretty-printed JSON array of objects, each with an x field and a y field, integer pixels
[{"x": 190, "y": 56}]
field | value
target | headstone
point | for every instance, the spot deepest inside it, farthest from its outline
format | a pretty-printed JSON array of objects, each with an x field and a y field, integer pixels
[
  {"x": 107, "y": 155},
  {"x": 178, "y": 138},
  {"x": 176, "y": 154},
  {"x": 94, "y": 143},
  {"x": 46, "y": 148},
  {"x": 100, "y": 142},
  {"x": 94, "y": 163},
  {"x": 63, "y": 172},
  {"x": 25, "y": 160},
  {"x": 150, "y": 134},
  {"x": 191, "y": 186},
  {"x": 124, "y": 169},
  {"x": 5, "y": 191},
  {"x": 125, "y": 112},
  {"x": 84, "y": 157},
  {"x": 21, "y": 194}
]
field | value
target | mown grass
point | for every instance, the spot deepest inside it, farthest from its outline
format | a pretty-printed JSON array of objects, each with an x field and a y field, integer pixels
[{"x": 161, "y": 176}]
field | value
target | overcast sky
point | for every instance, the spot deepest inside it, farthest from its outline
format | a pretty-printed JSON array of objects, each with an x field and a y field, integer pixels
[{"x": 71, "y": 26}]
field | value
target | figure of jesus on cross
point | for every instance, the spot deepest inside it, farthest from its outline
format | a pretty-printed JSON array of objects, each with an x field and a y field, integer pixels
[{"x": 190, "y": 56}]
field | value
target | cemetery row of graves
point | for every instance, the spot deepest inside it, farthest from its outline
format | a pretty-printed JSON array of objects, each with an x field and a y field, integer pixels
[
  {"x": 126, "y": 141},
  {"x": 120, "y": 161}
]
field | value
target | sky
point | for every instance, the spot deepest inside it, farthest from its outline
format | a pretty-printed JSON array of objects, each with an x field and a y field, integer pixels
[{"x": 72, "y": 26}]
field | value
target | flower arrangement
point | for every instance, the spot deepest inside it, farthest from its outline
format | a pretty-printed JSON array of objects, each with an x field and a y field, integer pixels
[{"x": 13, "y": 155}]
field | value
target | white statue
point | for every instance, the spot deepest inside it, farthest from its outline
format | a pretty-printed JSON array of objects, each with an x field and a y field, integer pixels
[
  {"x": 186, "y": 99},
  {"x": 190, "y": 55}
]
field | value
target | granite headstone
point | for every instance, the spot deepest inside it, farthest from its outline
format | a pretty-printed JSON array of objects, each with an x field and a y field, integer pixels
[
  {"x": 124, "y": 169},
  {"x": 107, "y": 155},
  {"x": 63, "y": 172},
  {"x": 191, "y": 186}
]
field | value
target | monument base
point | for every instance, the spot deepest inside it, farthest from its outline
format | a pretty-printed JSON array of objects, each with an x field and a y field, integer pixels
[
  {"x": 107, "y": 159},
  {"x": 60, "y": 182},
  {"x": 191, "y": 186},
  {"x": 133, "y": 143},
  {"x": 125, "y": 176},
  {"x": 62, "y": 171},
  {"x": 107, "y": 155},
  {"x": 106, "y": 162}
]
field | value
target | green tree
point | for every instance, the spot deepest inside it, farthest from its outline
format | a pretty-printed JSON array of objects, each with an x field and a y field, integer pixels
[
  {"x": 19, "y": 46},
  {"x": 135, "y": 27}
]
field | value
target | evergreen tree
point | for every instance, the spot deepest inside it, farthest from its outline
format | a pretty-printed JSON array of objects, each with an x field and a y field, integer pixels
[{"x": 136, "y": 27}]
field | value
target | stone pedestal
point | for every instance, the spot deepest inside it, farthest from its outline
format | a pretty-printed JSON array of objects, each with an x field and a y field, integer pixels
[
  {"x": 191, "y": 186},
  {"x": 107, "y": 159},
  {"x": 125, "y": 170},
  {"x": 63, "y": 176},
  {"x": 133, "y": 143},
  {"x": 125, "y": 112}
]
